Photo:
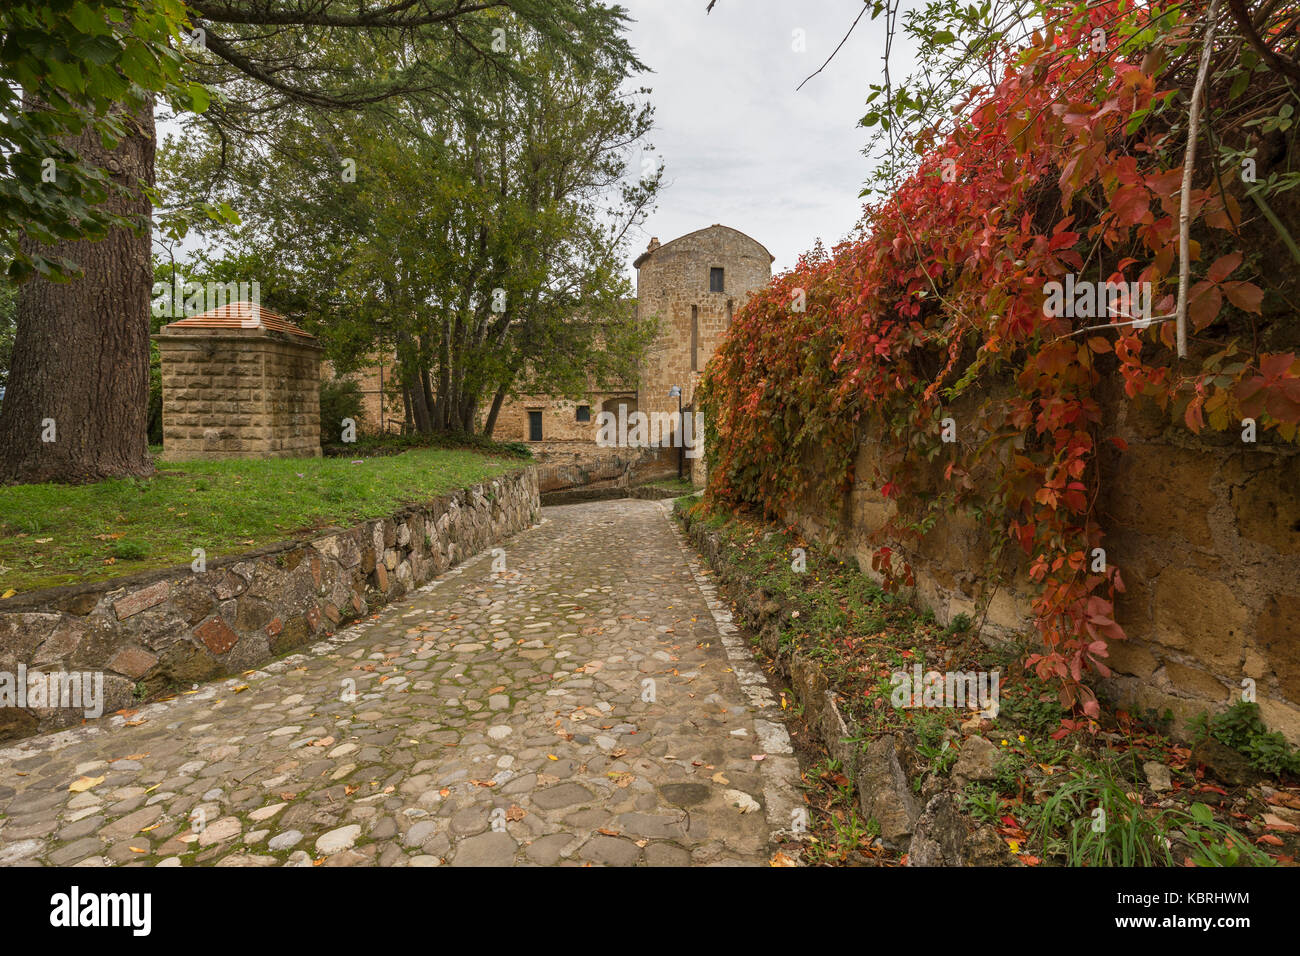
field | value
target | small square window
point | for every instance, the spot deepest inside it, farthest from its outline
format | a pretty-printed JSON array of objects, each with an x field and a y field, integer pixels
[
  {"x": 584, "y": 413},
  {"x": 715, "y": 280}
]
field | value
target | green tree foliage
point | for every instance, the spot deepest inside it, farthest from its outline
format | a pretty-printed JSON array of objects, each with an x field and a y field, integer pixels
[
  {"x": 340, "y": 398},
  {"x": 483, "y": 245},
  {"x": 76, "y": 60}
]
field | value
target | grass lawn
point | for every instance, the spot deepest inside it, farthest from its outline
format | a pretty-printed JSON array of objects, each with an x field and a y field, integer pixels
[{"x": 61, "y": 534}]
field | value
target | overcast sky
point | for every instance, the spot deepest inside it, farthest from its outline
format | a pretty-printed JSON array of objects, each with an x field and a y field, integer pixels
[{"x": 740, "y": 146}]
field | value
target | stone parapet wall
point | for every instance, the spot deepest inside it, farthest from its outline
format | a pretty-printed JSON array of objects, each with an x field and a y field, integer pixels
[
  {"x": 160, "y": 630},
  {"x": 578, "y": 464},
  {"x": 1205, "y": 532}
]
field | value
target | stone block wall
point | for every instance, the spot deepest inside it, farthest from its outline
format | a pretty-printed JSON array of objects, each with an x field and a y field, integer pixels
[
  {"x": 239, "y": 393},
  {"x": 165, "y": 629},
  {"x": 1206, "y": 533},
  {"x": 559, "y": 417}
]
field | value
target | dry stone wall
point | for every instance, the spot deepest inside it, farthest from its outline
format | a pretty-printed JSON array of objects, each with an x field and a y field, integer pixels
[{"x": 164, "y": 629}]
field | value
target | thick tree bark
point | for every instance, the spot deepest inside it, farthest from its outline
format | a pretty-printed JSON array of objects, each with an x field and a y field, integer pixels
[{"x": 80, "y": 371}]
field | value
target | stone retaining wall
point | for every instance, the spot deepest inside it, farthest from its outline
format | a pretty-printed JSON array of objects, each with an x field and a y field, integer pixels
[
  {"x": 564, "y": 465},
  {"x": 1205, "y": 531},
  {"x": 160, "y": 630}
]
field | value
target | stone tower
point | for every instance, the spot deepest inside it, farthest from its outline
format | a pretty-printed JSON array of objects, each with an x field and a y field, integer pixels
[{"x": 694, "y": 284}]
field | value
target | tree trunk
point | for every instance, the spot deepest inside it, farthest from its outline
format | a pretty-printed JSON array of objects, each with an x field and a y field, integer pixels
[
  {"x": 498, "y": 400},
  {"x": 77, "y": 405},
  {"x": 412, "y": 383}
]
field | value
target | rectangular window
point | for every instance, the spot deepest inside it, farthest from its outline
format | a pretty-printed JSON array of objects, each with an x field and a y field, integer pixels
[
  {"x": 695, "y": 337},
  {"x": 584, "y": 413},
  {"x": 534, "y": 426},
  {"x": 715, "y": 280}
]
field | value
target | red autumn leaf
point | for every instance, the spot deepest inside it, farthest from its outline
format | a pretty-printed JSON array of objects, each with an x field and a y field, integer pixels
[
  {"x": 1273, "y": 367},
  {"x": 1204, "y": 302},
  {"x": 1130, "y": 205},
  {"x": 1223, "y": 267},
  {"x": 1245, "y": 296}
]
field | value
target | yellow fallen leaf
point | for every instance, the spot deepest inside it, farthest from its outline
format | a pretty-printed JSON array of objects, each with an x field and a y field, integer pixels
[
  {"x": 780, "y": 859},
  {"x": 241, "y": 688},
  {"x": 552, "y": 757},
  {"x": 84, "y": 783},
  {"x": 136, "y": 849},
  {"x": 8, "y": 594}
]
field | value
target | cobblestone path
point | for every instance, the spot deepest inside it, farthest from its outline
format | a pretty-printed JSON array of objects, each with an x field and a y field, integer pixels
[{"x": 590, "y": 703}]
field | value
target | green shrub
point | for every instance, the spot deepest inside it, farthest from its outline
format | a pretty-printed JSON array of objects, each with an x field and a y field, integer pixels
[
  {"x": 129, "y": 550},
  {"x": 154, "y": 425},
  {"x": 339, "y": 399},
  {"x": 1241, "y": 728},
  {"x": 395, "y": 444}
]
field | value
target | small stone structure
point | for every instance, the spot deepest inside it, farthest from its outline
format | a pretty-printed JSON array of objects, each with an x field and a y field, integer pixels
[{"x": 239, "y": 381}]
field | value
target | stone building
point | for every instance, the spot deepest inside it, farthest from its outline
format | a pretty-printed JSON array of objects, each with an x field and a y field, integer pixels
[
  {"x": 693, "y": 285},
  {"x": 239, "y": 381}
]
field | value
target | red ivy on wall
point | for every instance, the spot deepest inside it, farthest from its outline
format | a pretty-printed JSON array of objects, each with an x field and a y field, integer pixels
[{"x": 1069, "y": 167}]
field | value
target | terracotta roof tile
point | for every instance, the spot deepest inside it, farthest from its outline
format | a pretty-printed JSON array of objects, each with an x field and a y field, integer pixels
[{"x": 239, "y": 315}]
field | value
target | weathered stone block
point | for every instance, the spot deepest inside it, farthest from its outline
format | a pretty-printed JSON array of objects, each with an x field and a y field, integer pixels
[
  {"x": 132, "y": 662},
  {"x": 1266, "y": 507},
  {"x": 1277, "y": 636},
  {"x": 1195, "y": 682},
  {"x": 884, "y": 793},
  {"x": 137, "y": 601},
  {"x": 60, "y": 644},
  {"x": 1201, "y": 616},
  {"x": 216, "y": 635}
]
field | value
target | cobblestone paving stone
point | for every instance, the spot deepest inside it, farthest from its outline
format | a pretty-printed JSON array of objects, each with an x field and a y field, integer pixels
[{"x": 591, "y": 703}]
